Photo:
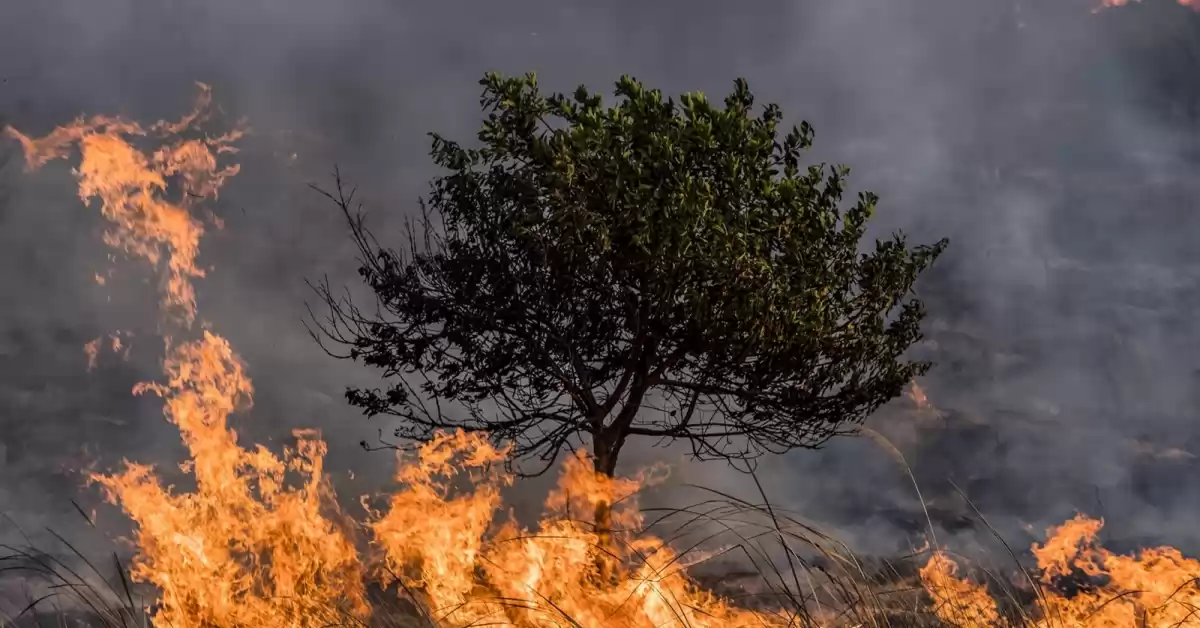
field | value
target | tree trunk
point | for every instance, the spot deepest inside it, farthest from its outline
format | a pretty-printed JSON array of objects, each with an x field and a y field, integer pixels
[
  {"x": 606, "y": 465},
  {"x": 606, "y": 445},
  {"x": 605, "y": 452}
]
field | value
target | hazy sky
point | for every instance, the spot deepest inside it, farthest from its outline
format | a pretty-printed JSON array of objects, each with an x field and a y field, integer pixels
[{"x": 1015, "y": 132}]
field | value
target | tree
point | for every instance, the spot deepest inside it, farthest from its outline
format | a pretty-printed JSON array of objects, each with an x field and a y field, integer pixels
[{"x": 651, "y": 269}]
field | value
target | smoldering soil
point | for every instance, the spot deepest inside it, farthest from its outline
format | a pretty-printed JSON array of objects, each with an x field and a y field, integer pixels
[{"x": 1060, "y": 318}]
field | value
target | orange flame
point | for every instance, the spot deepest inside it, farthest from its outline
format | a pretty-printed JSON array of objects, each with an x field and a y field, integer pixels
[
  {"x": 957, "y": 601},
  {"x": 1155, "y": 588},
  {"x": 93, "y": 347},
  {"x": 244, "y": 548},
  {"x": 522, "y": 578},
  {"x": 130, "y": 185},
  {"x": 260, "y": 540},
  {"x": 918, "y": 396},
  {"x": 92, "y": 351}
]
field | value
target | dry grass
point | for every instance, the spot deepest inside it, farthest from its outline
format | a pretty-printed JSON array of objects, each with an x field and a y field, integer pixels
[{"x": 753, "y": 553}]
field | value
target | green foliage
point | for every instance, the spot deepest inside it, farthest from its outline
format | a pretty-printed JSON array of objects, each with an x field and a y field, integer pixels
[{"x": 651, "y": 268}]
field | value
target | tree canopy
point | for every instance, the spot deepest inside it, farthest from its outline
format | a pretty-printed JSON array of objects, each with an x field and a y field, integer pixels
[{"x": 651, "y": 268}]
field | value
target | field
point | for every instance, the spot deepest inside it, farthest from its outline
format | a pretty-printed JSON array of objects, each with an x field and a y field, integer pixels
[{"x": 262, "y": 541}]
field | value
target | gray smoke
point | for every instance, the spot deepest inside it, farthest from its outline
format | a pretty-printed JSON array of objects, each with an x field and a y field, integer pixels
[{"x": 1026, "y": 133}]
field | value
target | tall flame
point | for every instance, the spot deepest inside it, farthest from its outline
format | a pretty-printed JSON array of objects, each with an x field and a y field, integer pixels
[{"x": 245, "y": 547}]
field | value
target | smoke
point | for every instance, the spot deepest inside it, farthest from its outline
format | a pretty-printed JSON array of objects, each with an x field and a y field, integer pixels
[{"x": 1027, "y": 132}]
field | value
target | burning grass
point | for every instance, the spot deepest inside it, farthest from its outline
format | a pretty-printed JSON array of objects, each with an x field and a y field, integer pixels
[
  {"x": 797, "y": 576},
  {"x": 261, "y": 540}
]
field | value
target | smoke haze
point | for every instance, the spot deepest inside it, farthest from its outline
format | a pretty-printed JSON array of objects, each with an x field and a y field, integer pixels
[{"x": 1031, "y": 136}]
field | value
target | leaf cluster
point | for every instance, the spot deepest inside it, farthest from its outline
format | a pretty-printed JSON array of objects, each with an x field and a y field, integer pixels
[{"x": 650, "y": 268}]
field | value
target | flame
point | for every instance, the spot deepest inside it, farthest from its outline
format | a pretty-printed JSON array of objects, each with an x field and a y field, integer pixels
[
  {"x": 259, "y": 538},
  {"x": 92, "y": 351},
  {"x": 245, "y": 547},
  {"x": 957, "y": 601},
  {"x": 549, "y": 577},
  {"x": 918, "y": 396},
  {"x": 130, "y": 185},
  {"x": 115, "y": 343},
  {"x": 1155, "y": 588}
]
